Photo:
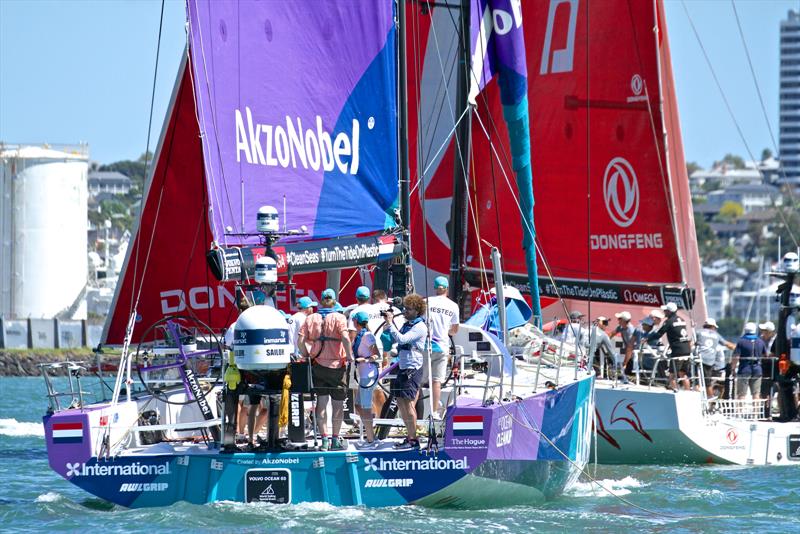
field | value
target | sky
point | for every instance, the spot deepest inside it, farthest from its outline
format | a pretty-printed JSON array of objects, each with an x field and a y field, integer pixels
[{"x": 82, "y": 71}]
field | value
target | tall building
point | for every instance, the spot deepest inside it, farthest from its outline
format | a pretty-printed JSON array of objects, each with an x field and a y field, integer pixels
[{"x": 790, "y": 97}]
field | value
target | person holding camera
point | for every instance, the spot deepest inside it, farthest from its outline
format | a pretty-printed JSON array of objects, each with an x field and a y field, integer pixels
[{"x": 410, "y": 339}]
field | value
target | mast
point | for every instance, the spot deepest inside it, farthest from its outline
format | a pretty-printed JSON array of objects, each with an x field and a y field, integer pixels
[
  {"x": 402, "y": 110},
  {"x": 458, "y": 213}
]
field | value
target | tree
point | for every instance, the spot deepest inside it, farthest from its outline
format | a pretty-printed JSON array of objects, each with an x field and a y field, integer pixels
[
  {"x": 692, "y": 166},
  {"x": 732, "y": 160},
  {"x": 730, "y": 211},
  {"x": 766, "y": 154}
]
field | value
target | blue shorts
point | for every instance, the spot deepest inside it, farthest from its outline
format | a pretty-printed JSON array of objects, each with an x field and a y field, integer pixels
[
  {"x": 406, "y": 385},
  {"x": 749, "y": 369}
]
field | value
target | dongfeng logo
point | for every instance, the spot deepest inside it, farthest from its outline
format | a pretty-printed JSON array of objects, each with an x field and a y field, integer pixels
[
  {"x": 636, "y": 84},
  {"x": 621, "y": 192}
]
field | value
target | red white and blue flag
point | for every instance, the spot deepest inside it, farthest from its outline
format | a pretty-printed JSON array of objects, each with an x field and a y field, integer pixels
[
  {"x": 68, "y": 432},
  {"x": 468, "y": 425}
]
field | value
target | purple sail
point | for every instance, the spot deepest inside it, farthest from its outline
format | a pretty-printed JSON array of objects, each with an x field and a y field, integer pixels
[{"x": 297, "y": 100}]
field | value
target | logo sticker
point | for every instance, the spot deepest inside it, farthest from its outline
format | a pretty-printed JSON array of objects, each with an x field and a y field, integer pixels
[{"x": 621, "y": 192}]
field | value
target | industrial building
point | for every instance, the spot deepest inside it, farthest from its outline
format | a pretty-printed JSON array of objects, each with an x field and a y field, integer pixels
[{"x": 43, "y": 225}]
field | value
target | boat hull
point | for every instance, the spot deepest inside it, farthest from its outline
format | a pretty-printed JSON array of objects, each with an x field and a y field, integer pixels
[
  {"x": 637, "y": 425},
  {"x": 497, "y": 455}
]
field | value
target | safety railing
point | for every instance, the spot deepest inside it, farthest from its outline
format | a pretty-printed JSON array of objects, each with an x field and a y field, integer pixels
[{"x": 742, "y": 409}]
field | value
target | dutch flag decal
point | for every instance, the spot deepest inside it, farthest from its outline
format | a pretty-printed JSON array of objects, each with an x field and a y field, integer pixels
[
  {"x": 68, "y": 432},
  {"x": 467, "y": 425},
  {"x": 385, "y": 247}
]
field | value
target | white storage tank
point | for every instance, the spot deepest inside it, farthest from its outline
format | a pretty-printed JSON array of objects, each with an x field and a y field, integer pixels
[{"x": 43, "y": 226}]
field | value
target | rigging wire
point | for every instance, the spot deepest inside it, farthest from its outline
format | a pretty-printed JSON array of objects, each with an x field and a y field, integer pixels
[
  {"x": 763, "y": 107},
  {"x": 730, "y": 111},
  {"x": 146, "y": 155}
]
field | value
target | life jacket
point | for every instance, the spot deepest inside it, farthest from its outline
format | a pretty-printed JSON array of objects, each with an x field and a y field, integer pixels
[
  {"x": 408, "y": 325},
  {"x": 325, "y": 331}
]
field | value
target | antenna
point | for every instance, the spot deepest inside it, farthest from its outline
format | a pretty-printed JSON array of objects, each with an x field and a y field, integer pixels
[{"x": 284, "y": 213}]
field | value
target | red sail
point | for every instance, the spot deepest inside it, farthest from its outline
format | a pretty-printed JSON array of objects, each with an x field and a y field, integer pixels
[{"x": 607, "y": 189}]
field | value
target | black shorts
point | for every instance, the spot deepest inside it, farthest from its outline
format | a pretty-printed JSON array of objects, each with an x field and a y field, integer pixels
[
  {"x": 676, "y": 365},
  {"x": 328, "y": 381},
  {"x": 406, "y": 385}
]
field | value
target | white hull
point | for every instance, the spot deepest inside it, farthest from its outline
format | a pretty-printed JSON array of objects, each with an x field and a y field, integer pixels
[{"x": 639, "y": 425}]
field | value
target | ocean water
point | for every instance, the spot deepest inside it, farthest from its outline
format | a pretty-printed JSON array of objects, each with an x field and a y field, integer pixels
[{"x": 649, "y": 498}]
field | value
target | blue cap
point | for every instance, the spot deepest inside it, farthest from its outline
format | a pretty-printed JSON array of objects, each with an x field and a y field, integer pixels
[
  {"x": 362, "y": 292},
  {"x": 329, "y": 294},
  {"x": 441, "y": 281},
  {"x": 305, "y": 303},
  {"x": 360, "y": 317}
]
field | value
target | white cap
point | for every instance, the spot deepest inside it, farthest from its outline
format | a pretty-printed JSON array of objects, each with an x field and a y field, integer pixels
[
  {"x": 750, "y": 328},
  {"x": 769, "y": 326},
  {"x": 710, "y": 322},
  {"x": 670, "y": 307},
  {"x": 658, "y": 314},
  {"x": 601, "y": 318},
  {"x": 624, "y": 315}
]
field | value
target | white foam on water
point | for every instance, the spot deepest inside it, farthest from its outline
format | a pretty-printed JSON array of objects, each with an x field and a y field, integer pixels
[
  {"x": 48, "y": 497},
  {"x": 615, "y": 487},
  {"x": 12, "y": 427}
]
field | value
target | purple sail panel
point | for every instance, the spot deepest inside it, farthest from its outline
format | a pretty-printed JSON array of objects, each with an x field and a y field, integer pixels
[{"x": 297, "y": 100}]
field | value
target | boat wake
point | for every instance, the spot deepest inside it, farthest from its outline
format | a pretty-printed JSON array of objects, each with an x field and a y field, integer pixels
[
  {"x": 14, "y": 428},
  {"x": 50, "y": 496},
  {"x": 617, "y": 487}
]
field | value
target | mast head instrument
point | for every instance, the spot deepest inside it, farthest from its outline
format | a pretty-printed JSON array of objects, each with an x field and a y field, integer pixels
[
  {"x": 266, "y": 271},
  {"x": 267, "y": 220},
  {"x": 790, "y": 263}
]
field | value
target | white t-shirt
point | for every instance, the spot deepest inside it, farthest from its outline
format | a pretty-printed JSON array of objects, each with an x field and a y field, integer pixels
[
  {"x": 442, "y": 314},
  {"x": 365, "y": 351},
  {"x": 372, "y": 311},
  {"x": 294, "y": 329}
]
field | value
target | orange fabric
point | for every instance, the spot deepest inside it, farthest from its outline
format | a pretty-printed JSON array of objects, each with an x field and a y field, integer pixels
[{"x": 334, "y": 325}]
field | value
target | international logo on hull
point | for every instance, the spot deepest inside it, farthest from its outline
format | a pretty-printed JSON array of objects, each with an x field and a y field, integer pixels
[{"x": 621, "y": 192}]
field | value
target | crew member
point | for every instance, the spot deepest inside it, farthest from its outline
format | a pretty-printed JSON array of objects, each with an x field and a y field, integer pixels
[
  {"x": 411, "y": 339},
  {"x": 600, "y": 344},
  {"x": 747, "y": 354},
  {"x": 680, "y": 345},
  {"x": 381, "y": 303},
  {"x": 574, "y": 333},
  {"x": 625, "y": 330},
  {"x": 363, "y": 305},
  {"x": 367, "y": 357},
  {"x": 767, "y": 334},
  {"x": 443, "y": 320},
  {"x": 305, "y": 307},
  {"x": 708, "y": 343},
  {"x": 330, "y": 351}
]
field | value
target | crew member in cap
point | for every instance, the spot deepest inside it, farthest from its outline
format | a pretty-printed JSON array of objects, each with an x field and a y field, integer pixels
[
  {"x": 305, "y": 307},
  {"x": 600, "y": 344},
  {"x": 443, "y": 318},
  {"x": 766, "y": 331},
  {"x": 367, "y": 357},
  {"x": 708, "y": 343},
  {"x": 747, "y": 362},
  {"x": 680, "y": 344},
  {"x": 625, "y": 330},
  {"x": 331, "y": 349},
  {"x": 362, "y": 305},
  {"x": 574, "y": 333}
]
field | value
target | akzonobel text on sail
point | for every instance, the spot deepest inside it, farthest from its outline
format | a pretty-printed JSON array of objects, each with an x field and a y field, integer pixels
[{"x": 292, "y": 145}]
